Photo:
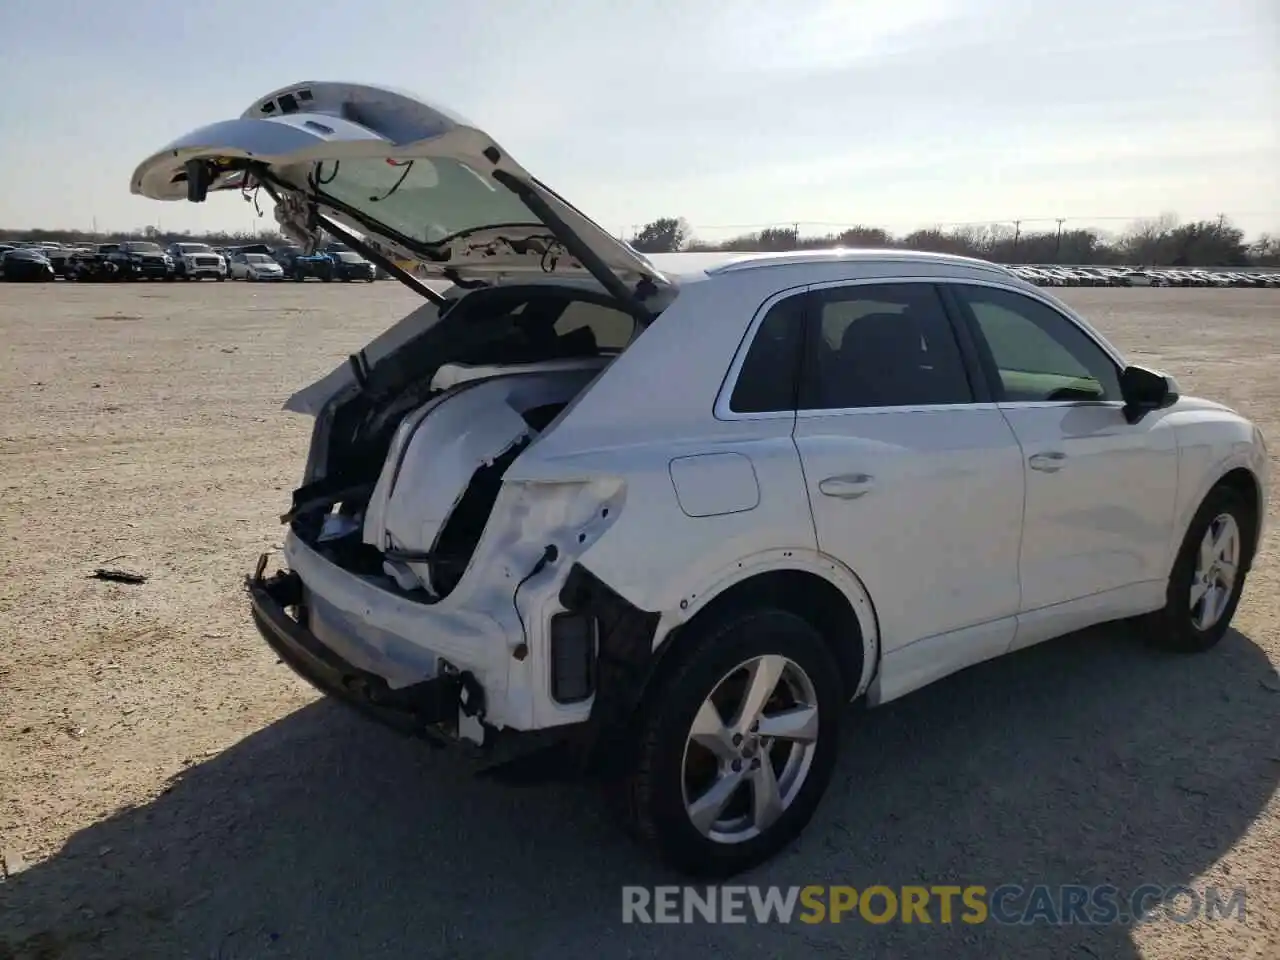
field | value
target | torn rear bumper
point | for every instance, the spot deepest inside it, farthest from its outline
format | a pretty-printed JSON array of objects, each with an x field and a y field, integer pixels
[{"x": 430, "y": 708}]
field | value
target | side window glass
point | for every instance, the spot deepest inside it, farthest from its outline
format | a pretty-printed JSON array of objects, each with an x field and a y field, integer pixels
[
  {"x": 767, "y": 380},
  {"x": 1040, "y": 355},
  {"x": 883, "y": 345}
]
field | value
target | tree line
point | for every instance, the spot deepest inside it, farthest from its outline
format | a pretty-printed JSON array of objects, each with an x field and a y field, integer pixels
[
  {"x": 1159, "y": 242},
  {"x": 1162, "y": 241}
]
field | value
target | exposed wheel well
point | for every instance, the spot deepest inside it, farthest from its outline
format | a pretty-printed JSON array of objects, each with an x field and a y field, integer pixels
[
  {"x": 804, "y": 594},
  {"x": 1244, "y": 483}
]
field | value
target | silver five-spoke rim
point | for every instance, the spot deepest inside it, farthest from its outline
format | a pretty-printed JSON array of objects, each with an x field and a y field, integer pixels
[
  {"x": 749, "y": 749},
  {"x": 1215, "y": 577}
]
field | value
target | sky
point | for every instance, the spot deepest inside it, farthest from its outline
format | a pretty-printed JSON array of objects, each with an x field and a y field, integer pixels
[{"x": 733, "y": 114}]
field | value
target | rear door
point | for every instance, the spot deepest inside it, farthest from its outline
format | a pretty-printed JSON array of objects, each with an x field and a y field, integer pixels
[
  {"x": 1100, "y": 491},
  {"x": 914, "y": 477}
]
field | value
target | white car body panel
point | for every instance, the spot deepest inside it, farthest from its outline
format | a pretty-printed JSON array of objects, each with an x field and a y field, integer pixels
[
  {"x": 953, "y": 478},
  {"x": 1099, "y": 517}
]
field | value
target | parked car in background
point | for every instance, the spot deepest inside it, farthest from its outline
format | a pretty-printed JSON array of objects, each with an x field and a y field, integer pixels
[
  {"x": 192, "y": 261},
  {"x": 305, "y": 265},
  {"x": 28, "y": 264},
  {"x": 349, "y": 265},
  {"x": 254, "y": 266},
  {"x": 143, "y": 260},
  {"x": 284, "y": 255},
  {"x": 100, "y": 263},
  {"x": 62, "y": 257}
]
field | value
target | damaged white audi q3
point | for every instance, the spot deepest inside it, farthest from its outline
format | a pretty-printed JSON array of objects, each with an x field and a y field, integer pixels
[{"x": 666, "y": 517}]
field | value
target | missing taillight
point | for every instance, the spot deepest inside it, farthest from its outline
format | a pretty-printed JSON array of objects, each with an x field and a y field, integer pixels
[{"x": 573, "y": 657}]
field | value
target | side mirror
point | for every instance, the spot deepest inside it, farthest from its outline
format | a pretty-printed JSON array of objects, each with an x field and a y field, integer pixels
[{"x": 1145, "y": 390}]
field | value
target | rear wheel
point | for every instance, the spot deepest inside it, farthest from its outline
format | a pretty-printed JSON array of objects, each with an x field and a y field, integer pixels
[
  {"x": 1207, "y": 577},
  {"x": 737, "y": 745}
]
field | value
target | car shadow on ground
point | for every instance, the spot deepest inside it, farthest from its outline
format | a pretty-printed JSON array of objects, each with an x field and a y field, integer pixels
[{"x": 1088, "y": 760}]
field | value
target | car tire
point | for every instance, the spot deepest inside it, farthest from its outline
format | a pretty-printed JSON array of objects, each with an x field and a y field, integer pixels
[
  {"x": 1221, "y": 537},
  {"x": 670, "y": 772}
]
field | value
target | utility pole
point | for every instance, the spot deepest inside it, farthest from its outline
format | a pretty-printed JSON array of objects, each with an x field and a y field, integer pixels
[
  {"x": 1017, "y": 232},
  {"x": 1057, "y": 243}
]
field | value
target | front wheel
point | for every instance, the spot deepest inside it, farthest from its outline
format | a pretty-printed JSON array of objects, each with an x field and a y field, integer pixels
[
  {"x": 1207, "y": 577},
  {"x": 736, "y": 746}
]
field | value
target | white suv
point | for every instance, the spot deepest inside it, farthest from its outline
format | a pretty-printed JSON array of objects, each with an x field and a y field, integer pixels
[
  {"x": 195, "y": 260},
  {"x": 667, "y": 517}
]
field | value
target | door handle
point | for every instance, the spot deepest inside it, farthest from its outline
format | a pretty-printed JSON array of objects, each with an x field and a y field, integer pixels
[
  {"x": 1050, "y": 462},
  {"x": 848, "y": 486}
]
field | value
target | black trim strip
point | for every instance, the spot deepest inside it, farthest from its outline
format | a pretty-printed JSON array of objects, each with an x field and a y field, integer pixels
[
  {"x": 975, "y": 357},
  {"x": 386, "y": 263}
]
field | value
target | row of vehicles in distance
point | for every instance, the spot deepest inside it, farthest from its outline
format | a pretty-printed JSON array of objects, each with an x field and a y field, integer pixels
[
  {"x": 183, "y": 260},
  {"x": 1054, "y": 276},
  {"x": 192, "y": 260}
]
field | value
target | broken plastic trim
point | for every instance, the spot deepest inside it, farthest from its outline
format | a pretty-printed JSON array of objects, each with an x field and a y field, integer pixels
[
  {"x": 415, "y": 708},
  {"x": 624, "y": 664}
]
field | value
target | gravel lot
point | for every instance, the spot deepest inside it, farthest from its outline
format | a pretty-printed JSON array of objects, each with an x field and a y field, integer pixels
[{"x": 168, "y": 790}]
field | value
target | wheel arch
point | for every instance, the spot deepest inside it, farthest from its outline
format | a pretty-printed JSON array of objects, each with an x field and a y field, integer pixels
[
  {"x": 811, "y": 585},
  {"x": 1236, "y": 474},
  {"x": 1249, "y": 486}
]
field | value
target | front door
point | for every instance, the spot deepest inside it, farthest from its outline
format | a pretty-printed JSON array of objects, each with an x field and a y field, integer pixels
[
  {"x": 1100, "y": 492},
  {"x": 913, "y": 483}
]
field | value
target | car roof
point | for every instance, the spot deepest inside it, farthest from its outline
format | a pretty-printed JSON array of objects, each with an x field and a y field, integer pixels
[{"x": 689, "y": 266}]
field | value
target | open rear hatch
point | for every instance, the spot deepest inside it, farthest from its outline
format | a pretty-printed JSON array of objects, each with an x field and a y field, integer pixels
[
  {"x": 420, "y": 182},
  {"x": 414, "y": 433}
]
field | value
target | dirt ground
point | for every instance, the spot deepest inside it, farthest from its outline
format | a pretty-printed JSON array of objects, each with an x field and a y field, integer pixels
[{"x": 167, "y": 789}]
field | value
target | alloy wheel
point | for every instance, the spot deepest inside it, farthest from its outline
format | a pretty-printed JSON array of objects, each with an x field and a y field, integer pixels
[
  {"x": 741, "y": 774},
  {"x": 1217, "y": 565}
]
